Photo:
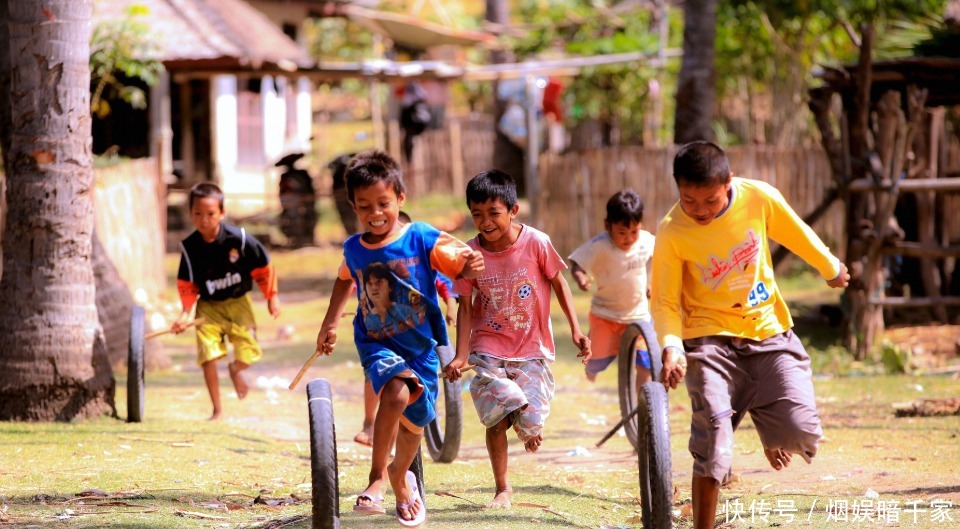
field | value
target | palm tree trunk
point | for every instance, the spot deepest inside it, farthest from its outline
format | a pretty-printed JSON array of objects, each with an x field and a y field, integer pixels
[
  {"x": 695, "y": 85},
  {"x": 53, "y": 363}
]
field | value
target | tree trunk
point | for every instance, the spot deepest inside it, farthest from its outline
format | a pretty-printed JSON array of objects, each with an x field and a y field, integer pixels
[
  {"x": 507, "y": 157},
  {"x": 53, "y": 361},
  {"x": 695, "y": 85}
]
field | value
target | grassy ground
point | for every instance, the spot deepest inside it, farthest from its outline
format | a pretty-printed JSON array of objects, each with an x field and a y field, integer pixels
[{"x": 252, "y": 468}]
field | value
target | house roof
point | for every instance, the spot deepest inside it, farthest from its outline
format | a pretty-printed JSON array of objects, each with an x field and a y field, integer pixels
[
  {"x": 211, "y": 34},
  {"x": 413, "y": 33}
]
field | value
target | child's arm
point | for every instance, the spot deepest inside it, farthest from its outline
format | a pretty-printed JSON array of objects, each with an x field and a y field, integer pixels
[
  {"x": 562, "y": 290},
  {"x": 266, "y": 279},
  {"x": 464, "y": 318},
  {"x": 189, "y": 293},
  {"x": 580, "y": 276},
  {"x": 327, "y": 337}
]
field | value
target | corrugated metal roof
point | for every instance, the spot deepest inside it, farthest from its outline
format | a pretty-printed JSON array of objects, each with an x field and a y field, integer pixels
[
  {"x": 211, "y": 32},
  {"x": 414, "y": 33}
]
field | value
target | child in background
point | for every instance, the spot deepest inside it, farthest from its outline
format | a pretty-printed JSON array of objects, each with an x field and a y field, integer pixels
[
  {"x": 370, "y": 400},
  {"x": 218, "y": 265},
  {"x": 617, "y": 260},
  {"x": 400, "y": 361},
  {"x": 718, "y": 310},
  {"x": 504, "y": 328}
]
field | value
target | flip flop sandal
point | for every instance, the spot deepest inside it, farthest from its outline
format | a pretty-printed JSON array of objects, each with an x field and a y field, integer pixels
[
  {"x": 415, "y": 491},
  {"x": 374, "y": 507}
]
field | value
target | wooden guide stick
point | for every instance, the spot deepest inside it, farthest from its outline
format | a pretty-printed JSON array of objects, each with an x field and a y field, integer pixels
[
  {"x": 306, "y": 365},
  {"x": 154, "y": 334},
  {"x": 468, "y": 367}
]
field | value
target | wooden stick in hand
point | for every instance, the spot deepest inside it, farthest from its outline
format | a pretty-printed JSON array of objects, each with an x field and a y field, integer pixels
[
  {"x": 303, "y": 369},
  {"x": 154, "y": 334},
  {"x": 467, "y": 367}
]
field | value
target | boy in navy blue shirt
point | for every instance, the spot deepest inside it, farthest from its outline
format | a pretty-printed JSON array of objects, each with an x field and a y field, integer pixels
[{"x": 218, "y": 266}]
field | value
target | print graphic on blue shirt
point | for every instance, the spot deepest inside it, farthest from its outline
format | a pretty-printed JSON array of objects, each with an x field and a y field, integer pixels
[{"x": 397, "y": 293}]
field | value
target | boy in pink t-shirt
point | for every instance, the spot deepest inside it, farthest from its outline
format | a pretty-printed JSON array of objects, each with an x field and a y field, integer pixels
[{"x": 503, "y": 323}]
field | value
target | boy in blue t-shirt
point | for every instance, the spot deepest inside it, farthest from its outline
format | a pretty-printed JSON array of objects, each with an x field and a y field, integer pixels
[{"x": 388, "y": 262}]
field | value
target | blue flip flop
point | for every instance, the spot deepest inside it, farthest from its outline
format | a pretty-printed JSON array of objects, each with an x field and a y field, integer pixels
[{"x": 415, "y": 490}]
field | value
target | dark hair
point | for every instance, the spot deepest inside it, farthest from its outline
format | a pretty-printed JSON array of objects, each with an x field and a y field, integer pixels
[
  {"x": 380, "y": 271},
  {"x": 625, "y": 206},
  {"x": 492, "y": 185},
  {"x": 372, "y": 166},
  {"x": 701, "y": 163},
  {"x": 205, "y": 190}
]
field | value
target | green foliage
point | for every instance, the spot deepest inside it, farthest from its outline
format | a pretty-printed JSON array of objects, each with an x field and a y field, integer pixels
[
  {"x": 122, "y": 48},
  {"x": 616, "y": 94}
]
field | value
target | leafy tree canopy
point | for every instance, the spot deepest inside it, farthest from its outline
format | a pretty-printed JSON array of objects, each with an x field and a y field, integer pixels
[{"x": 122, "y": 49}]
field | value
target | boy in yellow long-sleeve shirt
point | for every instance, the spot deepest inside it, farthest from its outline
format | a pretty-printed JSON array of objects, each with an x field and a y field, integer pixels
[{"x": 719, "y": 313}]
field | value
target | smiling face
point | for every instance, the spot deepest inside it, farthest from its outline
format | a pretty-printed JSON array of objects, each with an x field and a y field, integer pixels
[
  {"x": 623, "y": 234},
  {"x": 494, "y": 221},
  {"x": 703, "y": 203},
  {"x": 378, "y": 208},
  {"x": 206, "y": 215}
]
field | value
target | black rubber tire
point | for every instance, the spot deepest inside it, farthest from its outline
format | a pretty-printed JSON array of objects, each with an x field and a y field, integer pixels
[
  {"x": 417, "y": 468},
  {"x": 656, "y": 480},
  {"x": 323, "y": 456},
  {"x": 135, "y": 385},
  {"x": 443, "y": 439},
  {"x": 627, "y": 371}
]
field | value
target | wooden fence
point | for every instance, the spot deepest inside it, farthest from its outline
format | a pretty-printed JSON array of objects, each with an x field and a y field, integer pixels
[
  {"x": 128, "y": 218},
  {"x": 574, "y": 187},
  {"x": 445, "y": 159}
]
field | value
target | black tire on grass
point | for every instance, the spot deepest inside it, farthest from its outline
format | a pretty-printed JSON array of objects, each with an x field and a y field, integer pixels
[
  {"x": 627, "y": 371},
  {"x": 653, "y": 454},
  {"x": 417, "y": 468},
  {"x": 323, "y": 456},
  {"x": 135, "y": 383},
  {"x": 443, "y": 438}
]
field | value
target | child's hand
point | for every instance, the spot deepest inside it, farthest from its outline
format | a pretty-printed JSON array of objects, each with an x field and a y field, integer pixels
[
  {"x": 326, "y": 341},
  {"x": 452, "y": 370},
  {"x": 273, "y": 305},
  {"x": 473, "y": 266},
  {"x": 583, "y": 343},
  {"x": 583, "y": 280},
  {"x": 842, "y": 279},
  {"x": 181, "y": 324},
  {"x": 674, "y": 367}
]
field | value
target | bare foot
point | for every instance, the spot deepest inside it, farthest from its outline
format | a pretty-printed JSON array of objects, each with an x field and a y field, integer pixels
[
  {"x": 215, "y": 416},
  {"x": 533, "y": 443},
  {"x": 239, "y": 384},
  {"x": 778, "y": 458},
  {"x": 592, "y": 377},
  {"x": 365, "y": 436},
  {"x": 502, "y": 499}
]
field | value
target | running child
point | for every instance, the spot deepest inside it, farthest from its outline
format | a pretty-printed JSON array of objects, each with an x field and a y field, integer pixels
[
  {"x": 720, "y": 314},
  {"x": 218, "y": 265},
  {"x": 617, "y": 260},
  {"x": 391, "y": 259},
  {"x": 503, "y": 325}
]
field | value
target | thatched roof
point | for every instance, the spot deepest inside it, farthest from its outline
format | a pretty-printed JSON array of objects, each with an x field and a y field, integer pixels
[{"x": 211, "y": 34}]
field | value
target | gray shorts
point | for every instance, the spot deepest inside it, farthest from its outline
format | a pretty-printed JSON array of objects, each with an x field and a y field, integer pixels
[
  {"x": 520, "y": 389},
  {"x": 771, "y": 380}
]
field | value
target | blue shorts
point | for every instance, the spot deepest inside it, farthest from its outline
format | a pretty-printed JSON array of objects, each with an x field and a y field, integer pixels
[{"x": 419, "y": 372}]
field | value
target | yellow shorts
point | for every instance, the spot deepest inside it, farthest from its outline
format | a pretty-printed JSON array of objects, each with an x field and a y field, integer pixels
[{"x": 232, "y": 319}]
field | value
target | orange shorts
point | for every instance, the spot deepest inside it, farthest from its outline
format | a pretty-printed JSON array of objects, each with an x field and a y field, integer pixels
[{"x": 605, "y": 336}]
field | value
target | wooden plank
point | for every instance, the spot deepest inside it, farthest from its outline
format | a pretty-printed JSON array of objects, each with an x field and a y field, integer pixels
[
  {"x": 905, "y": 302},
  {"x": 908, "y": 185},
  {"x": 916, "y": 249}
]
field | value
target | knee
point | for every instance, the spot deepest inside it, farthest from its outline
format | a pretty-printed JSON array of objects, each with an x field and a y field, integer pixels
[{"x": 394, "y": 395}]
